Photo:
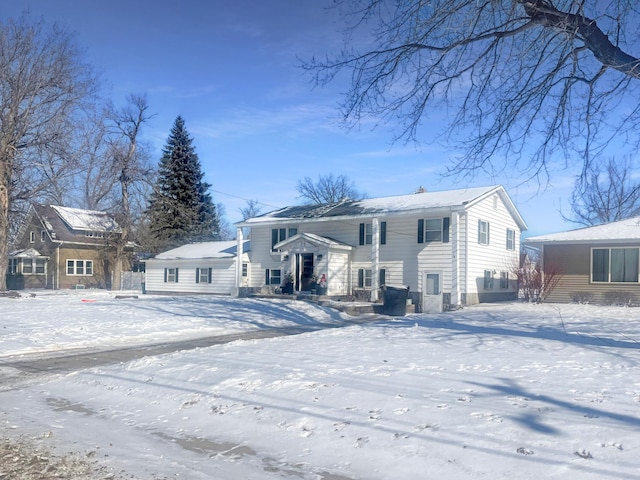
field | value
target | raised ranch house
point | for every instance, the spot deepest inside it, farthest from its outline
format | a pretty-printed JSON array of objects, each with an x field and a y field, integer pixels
[
  {"x": 450, "y": 248},
  {"x": 599, "y": 264},
  {"x": 206, "y": 267},
  {"x": 59, "y": 247}
]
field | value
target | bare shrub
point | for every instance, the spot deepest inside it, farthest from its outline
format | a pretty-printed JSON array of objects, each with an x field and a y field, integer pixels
[{"x": 619, "y": 298}]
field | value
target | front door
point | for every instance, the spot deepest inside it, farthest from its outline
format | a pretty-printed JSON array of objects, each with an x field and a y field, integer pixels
[
  {"x": 304, "y": 271},
  {"x": 432, "y": 292}
]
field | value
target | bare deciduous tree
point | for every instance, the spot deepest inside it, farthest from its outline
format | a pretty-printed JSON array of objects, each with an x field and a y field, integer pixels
[
  {"x": 131, "y": 166},
  {"x": 328, "y": 189},
  {"x": 513, "y": 81},
  {"x": 605, "y": 193},
  {"x": 42, "y": 84}
]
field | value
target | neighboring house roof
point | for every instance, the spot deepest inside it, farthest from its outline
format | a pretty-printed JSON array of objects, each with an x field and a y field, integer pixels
[
  {"x": 204, "y": 250},
  {"x": 25, "y": 253},
  {"x": 87, "y": 220},
  {"x": 448, "y": 200},
  {"x": 622, "y": 231},
  {"x": 314, "y": 239},
  {"x": 74, "y": 225}
]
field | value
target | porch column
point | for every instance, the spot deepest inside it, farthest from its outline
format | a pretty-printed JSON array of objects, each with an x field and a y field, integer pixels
[
  {"x": 455, "y": 259},
  {"x": 375, "y": 259},
  {"x": 239, "y": 255}
]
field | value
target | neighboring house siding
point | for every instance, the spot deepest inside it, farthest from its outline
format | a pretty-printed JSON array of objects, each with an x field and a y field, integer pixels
[
  {"x": 574, "y": 263},
  {"x": 98, "y": 277}
]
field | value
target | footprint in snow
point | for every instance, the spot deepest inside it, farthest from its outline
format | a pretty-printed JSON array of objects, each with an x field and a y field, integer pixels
[
  {"x": 375, "y": 414},
  {"x": 524, "y": 451},
  {"x": 360, "y": 442}
]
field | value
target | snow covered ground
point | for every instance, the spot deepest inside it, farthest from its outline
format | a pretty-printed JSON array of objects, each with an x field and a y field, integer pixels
[{"x": 495, "y": 391}]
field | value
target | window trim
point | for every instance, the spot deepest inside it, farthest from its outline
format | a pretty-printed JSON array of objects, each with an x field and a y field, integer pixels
[
  {"x": 204, "y": 275},
  {"x": 171, "y": 275},
  {"x": 365, "y": 276},
  {"x": 511, "y": 243},
  {"x": 87, "y": 267},
  {"x": 445, "y": 224},
  {"x": 608, "y": 272},
  {"x": 271, "y": 276},
  {"x": 484, "y": 235}
]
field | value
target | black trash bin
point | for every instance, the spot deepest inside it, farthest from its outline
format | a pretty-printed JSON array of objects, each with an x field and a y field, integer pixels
[{"x": 395, "y": 300}]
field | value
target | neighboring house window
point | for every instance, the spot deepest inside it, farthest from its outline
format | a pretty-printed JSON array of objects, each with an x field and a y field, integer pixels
[
  {"x": 504, "y": 280},
  {"x": 43, "y": 235},
  {"x": 511, "y": 239},
  {"x": 89, "y": 233},
  {"x": 245, "y": 269},
  {"x": 364, "y": 278},
  {"x": 27, "y": 266},
  {"x": 383, "y": 276},
  {"x": 483, "y": 232},
  {"x": 13, "y": 266},
  {"x": 273, "y": 276},
  {"x": 614, "y": 265},
  {"x": 433, "y": 230},
  {"x": 40, "y": 266},
  {"x": 79, "y": 267},
  {"x": 32, "y": 236},
  {"x": 366, "y": 234},
  {"x": 488, "y": 279},
  {"x": 171, "y": 275},
  {"x": 280, "y": 234},
  {"x": 203, "y": 275}
]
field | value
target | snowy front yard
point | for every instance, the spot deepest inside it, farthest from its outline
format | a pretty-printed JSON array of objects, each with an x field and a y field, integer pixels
[{"x": 495, "y": 391}]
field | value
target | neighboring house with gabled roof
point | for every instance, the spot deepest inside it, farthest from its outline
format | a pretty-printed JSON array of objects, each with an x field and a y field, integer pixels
[
  {"x": 60, "y": 247},
  {"x": 450, "y": 248},
  {"x": 599, "y": 263},
  {"x": 204, "y": 267}
]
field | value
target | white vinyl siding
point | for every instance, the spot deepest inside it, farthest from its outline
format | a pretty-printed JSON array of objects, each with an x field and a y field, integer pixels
[{"x": 190, "y": 273}]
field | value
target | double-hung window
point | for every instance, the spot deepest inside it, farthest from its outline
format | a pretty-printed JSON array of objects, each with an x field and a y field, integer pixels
[
  {"x": 80, "y": 267},
  {"x": 433, "y": 230},
  {"x": 364, "y": 278},
  {"x": 483, "y": 232},
  {"x": 504, "y": 280},
  {"x": 511, "y": 239},
  {"x": 171, "y": 275},
  {"x": 13, "y": 266},
  {"x": 366, "y": 233},
  {"x": 273, "y": 276},
  {"x": 488, "y": 280},
  {"x": 203, "y": 275},
  {"x": 615, "y": 265}
]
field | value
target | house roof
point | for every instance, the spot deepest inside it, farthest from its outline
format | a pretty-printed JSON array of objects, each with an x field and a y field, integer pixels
[
  {"x": 447, "y": 200},
  {"x": 627, "y": 230},
  {"x": 204, "y": 250}
]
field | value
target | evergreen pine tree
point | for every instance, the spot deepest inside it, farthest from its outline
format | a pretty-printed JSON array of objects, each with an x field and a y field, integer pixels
[{"x": 180, "y": 208}]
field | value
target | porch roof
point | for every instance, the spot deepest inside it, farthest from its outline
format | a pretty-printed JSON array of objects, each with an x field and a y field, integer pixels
[{"x": 316, "y": 240}]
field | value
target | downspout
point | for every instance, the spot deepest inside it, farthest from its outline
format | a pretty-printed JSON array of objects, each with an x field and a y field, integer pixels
[
  {"x": 57, "y": 279},
  {"x": 375, "y": 259},
  {"x": 239, "y": 255},
  {"x": 455, "y": 253}
]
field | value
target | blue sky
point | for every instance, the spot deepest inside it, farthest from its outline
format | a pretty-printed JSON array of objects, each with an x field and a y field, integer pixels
[{"x": 231, "y": 69}]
